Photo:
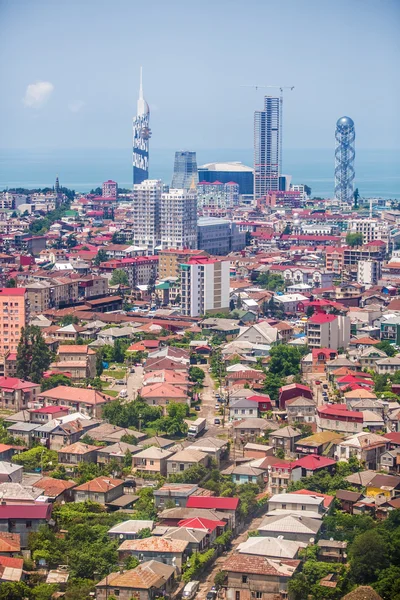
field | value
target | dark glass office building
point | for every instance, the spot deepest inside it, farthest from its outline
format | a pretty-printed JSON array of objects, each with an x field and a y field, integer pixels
[{"x": 226, "y": 172}]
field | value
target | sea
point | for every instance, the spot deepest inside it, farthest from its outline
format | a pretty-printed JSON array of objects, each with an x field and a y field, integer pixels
[{"x": 377, "y": 171}]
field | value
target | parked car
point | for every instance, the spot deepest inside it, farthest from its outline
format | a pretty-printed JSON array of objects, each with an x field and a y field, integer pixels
[
  {"x": 212, "y": 594},
  {"x": 325, "y": 386},
  {"x": 123, "y": 394},
  {"x": 217, "y": 422},
  {"x": 197, "y": 407},
  {"x": 190, "y": 590},
  {"x": 120, "y": 382},
  {"x": 217, "y": 407}
]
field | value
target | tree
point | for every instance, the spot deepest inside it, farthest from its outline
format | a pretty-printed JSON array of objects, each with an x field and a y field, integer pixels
[
  {"x": 54, "y": 381},
  {"x": 356, "y": 197},
  {"x": 239, "y": 302},
  {"x": 119, "y": 277},
  {"x": 271, "y": 281},
  {"x": 354, "y": 239},
  {"x": 11, "y": 283},
  {"x": 33, "y": 355},
  {"x": 386, "y": 347},
  {"x": 196, "y": 374},
  {"x": 69, "y": 320},
  {"x": 99, "y": 363},
  {"x": 119, "y": 353},
  {"x": 44, "y": 591},
  {"x": 100, "y": 257},
  {"x": 231, "y": 305},
  {"x": 388, "y": 584},
  {"x": 36, "y": 458},
  {"x": 24, "y": 355},
  {"x": 71, "y": 241},
  {"x": 285, "y": 360},
  {"x": 369, "y": 556},
  {"x": 14, "y": 590},
  {"x": 271, "y": 385}
]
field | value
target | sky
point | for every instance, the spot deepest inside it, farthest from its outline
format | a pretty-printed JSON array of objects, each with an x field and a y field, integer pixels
[{"x": 70, "y": 71}]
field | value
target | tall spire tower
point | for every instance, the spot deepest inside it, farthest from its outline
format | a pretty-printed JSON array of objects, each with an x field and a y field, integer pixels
[{"x": 141, "y": 137}]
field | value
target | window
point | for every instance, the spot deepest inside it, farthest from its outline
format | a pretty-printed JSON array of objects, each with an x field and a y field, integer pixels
[
  {"x": 152, "y": 462},
  {"x": 283, "y": 506},
  {"x": 244, "y": 578},
  {"x": 259, "y": 594},
  {"x": 28, "y": 524},
  {"x": 116, "y": 592}
]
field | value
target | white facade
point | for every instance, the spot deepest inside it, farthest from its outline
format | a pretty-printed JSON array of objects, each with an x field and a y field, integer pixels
[
  {"x": 179, "y": 219},
  {"x": 333, "y": 334},
  {"x": 371, "y": 229},
  {"x": 368, "y": 272},
  {"x": 204, "y": 286},
  {"x": 147, "y": 214}
]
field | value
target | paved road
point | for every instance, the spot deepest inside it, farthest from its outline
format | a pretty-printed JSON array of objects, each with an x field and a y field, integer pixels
[
  {"x": 208, "y": 402},
  {"x": 207, "y": 579},
  {"x": 135, "y": 382}
]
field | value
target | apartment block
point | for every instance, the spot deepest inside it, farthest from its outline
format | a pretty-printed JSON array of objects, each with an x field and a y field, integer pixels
[
  {"x": 204, "y": 286},
  {"x": 171, "y": 258},
  {"x": 328, "y": 331},
  {"x": 110, "y": 189},
  {"x": 147, "y": 214},
  {"x": 14, "y": 311},
  {"x": 369, "y": 272},
  {"x": 179, "y": 219}
]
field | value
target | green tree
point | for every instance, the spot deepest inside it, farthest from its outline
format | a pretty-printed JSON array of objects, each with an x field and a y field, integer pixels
[
  {"x": 36, "y": 458},
  {"x": 119, "y": 353},
  {"x": 386, "y": 347},
  {"x": 69, "y": 320},
  {"x": 24, "y": 354},
  {"x": 271, "y": 281},
  {"x": 196, "y": 374},
  {"x": 119, "y": 277},
  {"x": 285, "y": 360},
  {"x": 11, "y": 283},
  {"x": 354, "y": 239},
  {"x": 369, "y": 556},
  {"x": 44, "y": 591},
  {"x": 71, "y": 241},
  {"x": 79, "y": 589},
  {"x": 100, "y": 257},
  {"x": 54, "y": 381},
  {"x": 388, "y": 584},
  {"x": 14, "y": 590},
  {"x": 99, "y": 362},
  {"x": 356, "y": 197},
  {"x": 271, "y": 385}
]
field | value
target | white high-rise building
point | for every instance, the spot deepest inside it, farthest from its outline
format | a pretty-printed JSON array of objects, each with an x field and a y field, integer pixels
[
  {"x": 204, "y": 286},
  {"x": 369, "y": 272},
  {"x": 147, "y": 214},
  {"x": 371, "y": 229},
  {"x": 179, "y": 219}
]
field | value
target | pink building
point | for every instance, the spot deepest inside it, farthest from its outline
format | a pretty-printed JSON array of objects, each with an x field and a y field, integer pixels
[
  {"x": 13, "y": 316},
  {"x": 110, "y": 189}
]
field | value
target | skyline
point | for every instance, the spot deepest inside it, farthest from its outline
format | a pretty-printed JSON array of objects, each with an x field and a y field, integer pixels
[{"x": 87, "y": 89}]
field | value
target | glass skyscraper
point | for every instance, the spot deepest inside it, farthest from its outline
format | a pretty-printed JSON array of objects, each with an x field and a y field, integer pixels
[
  {"x": 141, "y": 137},
  {"x": 267, "y": 147},
  {"x": 185, "y": 171}
]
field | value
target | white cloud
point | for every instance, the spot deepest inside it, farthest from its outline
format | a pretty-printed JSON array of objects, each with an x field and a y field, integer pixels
[
  {"x": 38, "y": 93},
  {"x": 76, "y": 106}
]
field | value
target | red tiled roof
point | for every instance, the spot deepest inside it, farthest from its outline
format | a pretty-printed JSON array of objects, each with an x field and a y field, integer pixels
[
  {"x": 321, "y": 318},
  {"x": 212, "y": 502},
  {"x": 311, "y": 463},
  {"x": 15, "y": 383},
  {"x": 25, "y": 511},
  {"x": 14, "y": 563},
  {"x": 199, "y": 523},
  {"x": 12, "y": 291}
]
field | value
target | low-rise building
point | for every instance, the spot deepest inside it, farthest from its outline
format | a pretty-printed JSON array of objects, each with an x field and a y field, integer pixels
[
  {"x": 169, "y": 552},
  {"x": 78, "y": 361},
  {"x": 102, "y": 490},
  {"x": 181, "y": 461},
  {"x": 16, "y": 394},
  {"x": 152, "y": 460},
  {"x": 147, "y": 581}
]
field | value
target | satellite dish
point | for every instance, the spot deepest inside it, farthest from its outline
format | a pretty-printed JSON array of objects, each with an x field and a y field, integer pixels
[{"x": 312, "y": 540}]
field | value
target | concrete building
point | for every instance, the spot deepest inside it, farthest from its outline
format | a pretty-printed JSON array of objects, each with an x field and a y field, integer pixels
[
  {"x": 219, "y": 237},
  {"x": 185, "y": 170},
  {"x": 78, "y": 361},
  {"x": 147, "y": 214},
  {"x": 14, "y": 314},
  {"x": 204, "y": 286},
  {"x": 170, "y": 259},
  {"x": 217, "y": 194},
  {"x": 369, "y": 272},
  {"x": 110, "y": 189},
  {"x": 267, "y": 147},
  {"x": 226, "y": 172},
  {"x": 328, "y": 331},
  {"x": 179, "y": 219},
  {"x": 371, "y": 229}
]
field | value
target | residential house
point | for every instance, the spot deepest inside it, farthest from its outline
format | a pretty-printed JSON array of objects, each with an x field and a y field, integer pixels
[
  {"x": 24, "y": 519},
  {"x": 214, "y": 447},
  {"x": 242, "y": 408},
  {"x": 338, "y": 418},
  {"x": 227, "y": 507},
  {"x": 285, "y": 439},
  {"x": 347, "y": 500},
  {"x": 198, "y": 539},
  {"x": 10, "y": 544},
  {"x": 369, "y": 356},
  {"x": 260, "y": 333},
  {"x": 152, "y": 460},
  {"x": 366, "y": 447},
  {"x": 252, "y": 450},
  {"x": 181, "y": 461},
  {"x": 128, "y": 530},
  {"x": 293, "y": 527},
  {"x": 78, "y": 361},
  {"x": 384, "y": 485},
  {"x": 272, "y": 547},
  {"x": 267, "y": 577},
  {"x": 162, "y": 394},
  {"x": 16, "y": 394},
  {"x": 117, "y": 452},
  {"x": 212, "y": 528},
  {"x": 332, "y": 551},
  {"x": 174, "y": 493},
  {"x": 170, "y": 552},
  {"x": 390, "y": 460},
  {"x": 10, "y": 473},
  {"x": 110, "y": 434},
  {"x": 301, "y": 410},
  {"x": 149, "y": 580},
  {"x": 293, "y": 390},
  {"x": 87, "y": 401},
  {"x": 45, "y": 414},
  {"x": 322, "y": 443},
  {"x": 245, "y": 473},
  {"x": 11, "y": 569},
  {"x": 24, "y": 431},
  {"x": 102, "y": 490},
  {"x": 293, "y": 502},
  {"x": 56, "y": 490},
  {"x": 252, "y": 428},
  {"x": 249, "y": 377},
  {"x": 71, "y": 456},
  {"x": 387, "y": 366}
]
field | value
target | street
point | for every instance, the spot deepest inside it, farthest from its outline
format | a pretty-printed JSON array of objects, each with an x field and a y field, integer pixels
[{"x": 134, "y": 382}]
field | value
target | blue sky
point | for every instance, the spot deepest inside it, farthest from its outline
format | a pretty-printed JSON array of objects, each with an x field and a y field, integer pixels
[{"x": 70, "y": 69}]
